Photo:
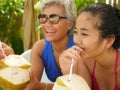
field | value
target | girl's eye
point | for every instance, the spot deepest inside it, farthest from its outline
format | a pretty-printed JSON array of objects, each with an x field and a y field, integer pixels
[
  {"x": 84, "y": 34},
  {"x": 75, "y": 31}
]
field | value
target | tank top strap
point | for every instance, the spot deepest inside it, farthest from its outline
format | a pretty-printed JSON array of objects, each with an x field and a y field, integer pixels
[
  {"x": 94, "y": 81},
  {"x": 93, "y": 72}
]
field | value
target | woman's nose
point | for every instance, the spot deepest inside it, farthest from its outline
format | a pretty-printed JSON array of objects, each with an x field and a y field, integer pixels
[{"x": 47, "y": 23}]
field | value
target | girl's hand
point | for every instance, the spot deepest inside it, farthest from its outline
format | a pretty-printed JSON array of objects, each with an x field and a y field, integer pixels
[{"x": 65, "y": 59}]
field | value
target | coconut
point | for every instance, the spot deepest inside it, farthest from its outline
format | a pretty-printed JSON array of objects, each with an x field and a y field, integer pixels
[
  {"x": 14, "y": 73},
  {"x": 14, "y": 60},
  {"x": 75, "y": 83}
]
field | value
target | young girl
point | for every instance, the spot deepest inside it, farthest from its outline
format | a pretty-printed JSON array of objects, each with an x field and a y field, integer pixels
[{"x": 97, "y": 37}]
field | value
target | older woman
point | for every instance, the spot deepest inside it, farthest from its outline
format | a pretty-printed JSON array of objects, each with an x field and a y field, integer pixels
[{"x": 57, "y": 21}]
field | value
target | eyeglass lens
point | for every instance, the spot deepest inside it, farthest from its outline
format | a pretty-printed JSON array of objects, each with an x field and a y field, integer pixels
[{"x": 53, "y": 18}]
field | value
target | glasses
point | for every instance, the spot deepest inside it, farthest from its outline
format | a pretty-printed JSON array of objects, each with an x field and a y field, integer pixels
[{"x": 53, "y": 18}]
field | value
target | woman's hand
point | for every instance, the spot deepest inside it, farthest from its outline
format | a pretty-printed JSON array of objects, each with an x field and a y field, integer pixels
[
  {"x": 65, "y": 59},
  {"x": 34, "y": 83},
  {"x": 5, "y": 50}
]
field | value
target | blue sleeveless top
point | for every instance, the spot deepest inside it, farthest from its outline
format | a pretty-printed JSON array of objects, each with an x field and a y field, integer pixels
[{"x": 48, "y": 58}]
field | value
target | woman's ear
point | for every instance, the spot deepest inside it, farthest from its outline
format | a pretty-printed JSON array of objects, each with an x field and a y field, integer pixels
[
  {"x": 110, "y": 40},
  {"x": 71, "y": 24}
]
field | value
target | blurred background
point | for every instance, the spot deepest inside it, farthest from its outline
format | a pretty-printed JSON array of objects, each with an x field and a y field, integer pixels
[{"x": 19, "y": 26}]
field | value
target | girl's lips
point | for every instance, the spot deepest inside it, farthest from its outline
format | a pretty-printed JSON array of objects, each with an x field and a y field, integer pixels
[{"x": 82, "y": 50}]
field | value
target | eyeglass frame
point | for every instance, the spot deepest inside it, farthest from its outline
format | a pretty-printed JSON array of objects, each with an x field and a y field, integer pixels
[{"x": 50, "y": 16}]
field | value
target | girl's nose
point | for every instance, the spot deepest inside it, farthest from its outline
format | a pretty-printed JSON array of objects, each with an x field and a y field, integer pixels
[{"x": 77, "y": 40}]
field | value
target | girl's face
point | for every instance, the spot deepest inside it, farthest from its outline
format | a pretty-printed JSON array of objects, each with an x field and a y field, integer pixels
[
  {"x": 55, "y": 32},
  {"x": 87, "y": 36}
]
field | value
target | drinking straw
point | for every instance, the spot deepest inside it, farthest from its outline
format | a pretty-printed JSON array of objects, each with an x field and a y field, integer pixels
[{"x": 71, "y": 69}]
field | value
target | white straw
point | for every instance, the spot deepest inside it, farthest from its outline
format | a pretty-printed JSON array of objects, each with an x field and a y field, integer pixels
[
  {"x": 2, "y": 49},
  {"x": 71, "y": 68}
]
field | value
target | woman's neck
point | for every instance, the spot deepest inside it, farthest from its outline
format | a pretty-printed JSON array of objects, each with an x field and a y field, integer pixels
[{"x": 60, "y": 45}]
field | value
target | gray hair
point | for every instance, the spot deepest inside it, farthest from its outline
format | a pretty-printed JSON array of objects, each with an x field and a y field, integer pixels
[{"x": 69, "y": 6}]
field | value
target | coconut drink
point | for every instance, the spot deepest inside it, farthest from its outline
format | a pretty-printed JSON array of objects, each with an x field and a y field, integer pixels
[
  {"x": 75, "y": 83},
  {"x": 14, "y": 73}
]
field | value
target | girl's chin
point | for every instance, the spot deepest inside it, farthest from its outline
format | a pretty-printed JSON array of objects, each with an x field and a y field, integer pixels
[{"x": 84, "y": 57}]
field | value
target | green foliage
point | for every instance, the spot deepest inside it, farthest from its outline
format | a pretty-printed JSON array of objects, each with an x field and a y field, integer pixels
[
  {"x": 11, "y": 21},
  {"x": 82, "y": 3}
]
